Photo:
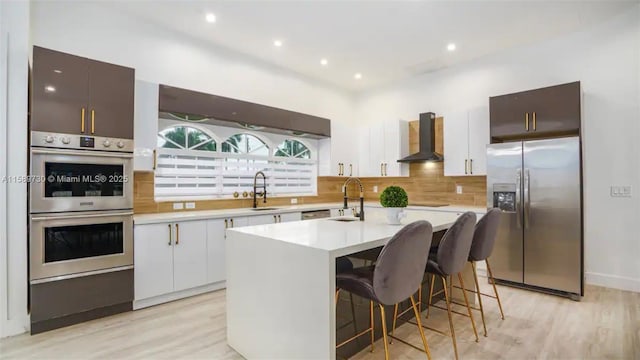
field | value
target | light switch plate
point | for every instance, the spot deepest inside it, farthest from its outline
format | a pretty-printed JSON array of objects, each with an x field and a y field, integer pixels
[
  {"x": 458, "y": 189},
  {"x": 190, "y": 205},
  {"x": 375, "y": 189},
  {"x": 178, "y": 206},
  {"x": 294, "y": 201}
]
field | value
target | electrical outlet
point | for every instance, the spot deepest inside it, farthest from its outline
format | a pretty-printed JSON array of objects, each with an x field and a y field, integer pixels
[
  {"x": 458, "y": 189},
  {"x": 190, "y": 205},
  {"x": 621, "y": 191},
  {"x": 178, "y": 206},
  {"x": 375, "y": 189},
  {"x": 294, "y": 201}
]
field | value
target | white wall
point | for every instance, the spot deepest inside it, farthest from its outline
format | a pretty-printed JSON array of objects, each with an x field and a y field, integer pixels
[
  {"x": 14, "y": 54},
  {"x": 606, "y": 60}
]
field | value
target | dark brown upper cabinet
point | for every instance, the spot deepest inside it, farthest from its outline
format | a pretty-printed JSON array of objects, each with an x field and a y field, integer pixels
[
  {"x": 546, "y": 112},
  {"x": 75, "y": 95}
]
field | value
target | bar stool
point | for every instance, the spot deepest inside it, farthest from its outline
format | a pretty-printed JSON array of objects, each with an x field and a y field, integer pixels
[
  {"x": 395, "y": 277},
  {"x": 343, "y": 265},
  {"x": 451, "y": 256},
  {"x": 484, "y": 237}
]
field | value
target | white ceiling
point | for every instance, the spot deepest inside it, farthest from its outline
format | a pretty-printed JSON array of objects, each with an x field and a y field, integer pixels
[{"x": 383, "y": 40}]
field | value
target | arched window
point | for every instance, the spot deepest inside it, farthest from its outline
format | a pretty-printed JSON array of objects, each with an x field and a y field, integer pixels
[
  {"x": 293, "y": 149},
  {"x": 185, "y": 137},
  {"x": 245, "y": 144}
]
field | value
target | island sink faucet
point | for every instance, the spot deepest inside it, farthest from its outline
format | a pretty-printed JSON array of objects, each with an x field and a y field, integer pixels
[
  {"x": 361, "y": 198},
  {"x": 256, "y": 186}
]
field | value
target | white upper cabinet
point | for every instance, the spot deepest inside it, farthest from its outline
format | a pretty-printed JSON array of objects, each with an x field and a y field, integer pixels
[
  {"x": 145, "y": 126},
  {"x": 339, "y": 154},
  {"x": 466, "y": 135},
  {"x": 380, "y": 147}
]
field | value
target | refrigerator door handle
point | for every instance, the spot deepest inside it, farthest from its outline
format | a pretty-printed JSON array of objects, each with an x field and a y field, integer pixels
[
  {"x": 518, "y": 204},
  {"x": 527, "y": 198}
]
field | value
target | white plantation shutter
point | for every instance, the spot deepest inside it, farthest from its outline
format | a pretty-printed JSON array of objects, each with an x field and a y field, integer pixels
[{"x": 198, "y": 174}]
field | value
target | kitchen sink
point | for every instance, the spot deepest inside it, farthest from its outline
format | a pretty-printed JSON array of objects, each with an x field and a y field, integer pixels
[
  {"x": 264, "y": 209},
  {"x": 344, "y": 219}
]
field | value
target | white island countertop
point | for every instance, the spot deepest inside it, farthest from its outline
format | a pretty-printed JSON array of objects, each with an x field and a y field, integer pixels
[{"x": 281, "y": 281}]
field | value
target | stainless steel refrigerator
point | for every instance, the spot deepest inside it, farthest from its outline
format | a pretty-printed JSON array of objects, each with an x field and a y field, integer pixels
[{"x": 538, "y": 186}]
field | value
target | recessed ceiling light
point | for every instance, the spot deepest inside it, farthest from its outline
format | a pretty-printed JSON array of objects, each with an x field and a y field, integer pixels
[
  {"x": 451, "y": 46},
  {"x": 211, "y": 17},
  {"x": 277, "y": 43},
  {"x": 357, "y": 76},
  {"x": 57, "y": 71},
  {"x": 324, "y": 62},
  {"x": 49, "y": 88}
]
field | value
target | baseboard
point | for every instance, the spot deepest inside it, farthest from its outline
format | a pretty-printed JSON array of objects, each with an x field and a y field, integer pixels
[
  {"x": 613, "y": 281},
  {"x": 161, "y": 299}
]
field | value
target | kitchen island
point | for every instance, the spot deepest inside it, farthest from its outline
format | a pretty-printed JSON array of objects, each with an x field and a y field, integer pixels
[{"x": 281, "y": 281}]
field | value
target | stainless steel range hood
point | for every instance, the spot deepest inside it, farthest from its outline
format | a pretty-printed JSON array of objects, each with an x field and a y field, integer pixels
[{"x": 427, "y": 139}]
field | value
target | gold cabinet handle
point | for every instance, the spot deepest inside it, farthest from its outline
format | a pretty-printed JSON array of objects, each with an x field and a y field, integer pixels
[
  {"x": 231, "y": 222},
  {"x": 155, "y": 159},
  {"x": 93, "y": 121},
  {"x": 471, "y": 166},
  {"x": 275, "y": 219},
  {"x": 226, "y": 223},
  {"x": 385, "y": 169},
  {"x": 279, "y": 218},
  {"x": 381, "y": 169},
  {"x": 526, "y": 121},
  {"x": 177, "y": 234},
  {"x": 534, "y": 121},
  {"x": 82, "y": 120},
  {"x": 170, "y": 236},
  {"x": 339, "y": 169},
  {"x": 350, "y": 169},
  {"x": 465, "y": 166}
]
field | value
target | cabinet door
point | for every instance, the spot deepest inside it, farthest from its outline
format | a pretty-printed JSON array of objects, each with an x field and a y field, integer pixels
[
  {"x": 238, "y": 222},
  {"x": 216, "y": 267},
  {"x": 262, "y": 220},
  {"x": 377, "y": 138},
  {"x": 508, "y": 115},
  {"x": 290, "y": 217},
  {"x": 153, "y": 259},
  {"x": 146, "y": 125},
  {"x": 478, "y": 140},
  {"x": 456, "y": 143},
  {"x": 396, "y": 146},
  {"x": 111, "y": 92},
  {"x": 557, "y": 109},
  {"x": 59, "y": 92},
  {"x": 190, "y": 255}
]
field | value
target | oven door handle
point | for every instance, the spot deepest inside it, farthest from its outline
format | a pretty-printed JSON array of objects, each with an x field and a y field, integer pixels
[
  {"x": 66, "y": 217},
  {"x": 82, "y": 153}
]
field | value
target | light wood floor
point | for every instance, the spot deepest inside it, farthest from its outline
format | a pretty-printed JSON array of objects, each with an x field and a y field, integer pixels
[{"x": 605, "y": 325}]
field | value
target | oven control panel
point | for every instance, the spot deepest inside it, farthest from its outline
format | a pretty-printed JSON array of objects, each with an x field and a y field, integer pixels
[{"x": 80, "y": 142}]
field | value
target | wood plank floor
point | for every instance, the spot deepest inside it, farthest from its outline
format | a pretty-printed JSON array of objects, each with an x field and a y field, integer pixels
[{"x": 605, "y": 325}]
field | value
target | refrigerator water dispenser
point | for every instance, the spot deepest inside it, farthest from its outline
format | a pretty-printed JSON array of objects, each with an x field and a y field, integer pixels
[{"x": 504, "y": 197}]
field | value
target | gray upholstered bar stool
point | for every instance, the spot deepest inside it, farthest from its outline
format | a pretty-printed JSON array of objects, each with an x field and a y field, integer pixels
[
  {"x": 450, "y": 259},
  {"x": 395, "y": 277},
  {"x": 484, "y": 237}
]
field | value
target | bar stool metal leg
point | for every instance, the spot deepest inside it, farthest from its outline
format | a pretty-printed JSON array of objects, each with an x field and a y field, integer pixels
[
  {"x": 475, "y": 278},
  {"x": 493, "y": 282},
  {"x": 466, "y": 301},
  {"x": 393, "y": 327},
  {"x": 371, "y": 318},
  {"x": 448, "y": 301},
  {"x": 384, "y": 332},
  {"x": 424, "y": 339},
  {"x": 433, "y": 278}
]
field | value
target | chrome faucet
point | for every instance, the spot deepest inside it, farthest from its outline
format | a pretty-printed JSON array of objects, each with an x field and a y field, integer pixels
[
  {"x": 361, "y": 198},
  {"x": 263, "y": 186}
]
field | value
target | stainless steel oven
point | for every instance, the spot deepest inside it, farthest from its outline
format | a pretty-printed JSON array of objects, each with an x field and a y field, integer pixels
[
  {"x": 73, "y": 243},
  {"x": 69, "y": 179}
]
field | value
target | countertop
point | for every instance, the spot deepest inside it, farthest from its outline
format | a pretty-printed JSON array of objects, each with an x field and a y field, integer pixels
[
  {"x": 142, "y": 219},
  {"x": 341, "y": 238}
]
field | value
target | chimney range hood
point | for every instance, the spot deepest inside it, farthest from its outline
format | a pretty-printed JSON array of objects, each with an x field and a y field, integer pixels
[{"x": 427, "y": 139}]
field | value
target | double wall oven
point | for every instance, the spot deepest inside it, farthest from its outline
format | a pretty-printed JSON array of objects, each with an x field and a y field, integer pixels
[{"x": 81, "y": 204}]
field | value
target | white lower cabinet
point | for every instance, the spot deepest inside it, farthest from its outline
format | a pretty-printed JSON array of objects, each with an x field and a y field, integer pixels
[
  {"x": 153, "y": 263},
  {"x": 262, "y": 219},
  {"x": 290, "y": 217},
  {"x": 190, "y": 255},
  {"x": 216, "y": 266}
]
